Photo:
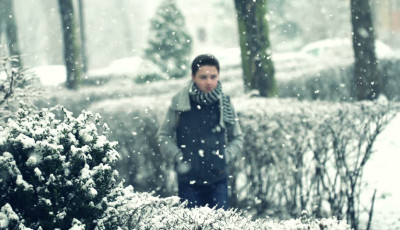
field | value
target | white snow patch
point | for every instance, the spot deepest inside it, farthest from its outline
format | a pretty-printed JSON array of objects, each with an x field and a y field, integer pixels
[
  {"x": 51, "y": 75},
  {"x": 21, "y": 182},
  {"x": 3, "y": 221},
  {"x": 26, "y": 141}
]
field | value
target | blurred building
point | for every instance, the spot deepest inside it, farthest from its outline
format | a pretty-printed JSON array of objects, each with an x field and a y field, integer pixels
[{"x": 387, "y": 18}]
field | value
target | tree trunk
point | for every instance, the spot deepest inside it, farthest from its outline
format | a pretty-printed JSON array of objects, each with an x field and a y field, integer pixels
[
  {"x": 83, "y": 36},
  {"x": 7, "y": 18},
  {"x": 258, "y": 69},
  {"x": 71, "y": 48},
  {"x": 366, "y": 81}
]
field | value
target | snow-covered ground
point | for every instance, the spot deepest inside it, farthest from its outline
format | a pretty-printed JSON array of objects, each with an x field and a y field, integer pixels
[{"x": 381, "y": 173}]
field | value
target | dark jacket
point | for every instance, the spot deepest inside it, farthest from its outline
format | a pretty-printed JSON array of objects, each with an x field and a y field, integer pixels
[{"x": 180, "y": 104}]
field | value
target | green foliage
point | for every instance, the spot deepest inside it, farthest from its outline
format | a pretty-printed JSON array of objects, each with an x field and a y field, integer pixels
[
  {"x": 53, "y": 171},
  {"x": 169, "y": 44}
]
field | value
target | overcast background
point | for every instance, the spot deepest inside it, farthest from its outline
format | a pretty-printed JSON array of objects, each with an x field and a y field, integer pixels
[{"x": 118, "y": 29}]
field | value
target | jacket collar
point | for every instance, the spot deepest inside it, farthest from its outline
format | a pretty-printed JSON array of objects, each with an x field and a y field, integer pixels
[{"x": 181, "y": 102}]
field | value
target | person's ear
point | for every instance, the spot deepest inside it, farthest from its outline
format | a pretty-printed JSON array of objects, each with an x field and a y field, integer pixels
[{"x": 193, "y": 76}]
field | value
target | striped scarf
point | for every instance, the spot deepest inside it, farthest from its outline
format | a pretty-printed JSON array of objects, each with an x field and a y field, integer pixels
[{"x": 213, "y": 97}]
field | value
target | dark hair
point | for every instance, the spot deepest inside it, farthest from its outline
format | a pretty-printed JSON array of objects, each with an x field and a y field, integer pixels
[{"x": 202, "y": 60}]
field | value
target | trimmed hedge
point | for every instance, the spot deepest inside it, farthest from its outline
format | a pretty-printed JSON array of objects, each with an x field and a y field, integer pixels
[
  {"x": 328, "y": 84},
  {"x": 144, "y": 211},
  {"x": 334, "y": 83},
  {"x": 59, "y": 174},
  {"x": 290, "y": 151}
]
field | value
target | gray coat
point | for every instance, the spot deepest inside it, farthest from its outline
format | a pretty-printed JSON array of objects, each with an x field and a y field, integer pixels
[{"x": 167, "y": 132}]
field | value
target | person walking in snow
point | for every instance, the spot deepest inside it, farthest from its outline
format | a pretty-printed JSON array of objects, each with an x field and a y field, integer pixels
[{"x": 202, "y": 131}]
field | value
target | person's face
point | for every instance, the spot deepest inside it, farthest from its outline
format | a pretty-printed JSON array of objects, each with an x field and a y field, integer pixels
[{"x": 206, "y": 78}]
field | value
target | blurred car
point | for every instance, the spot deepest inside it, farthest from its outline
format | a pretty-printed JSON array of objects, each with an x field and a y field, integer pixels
[
  {"x": 292, "y": 61},
  {"x": 230, "y": 58},
  {"x": 118, "y": 67},
  {"x": 342, "y": 48},
  {"x": 314, "y": 56}
]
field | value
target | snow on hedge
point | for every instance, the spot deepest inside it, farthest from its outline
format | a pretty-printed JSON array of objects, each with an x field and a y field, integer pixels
[
  {"x": 53, "y": 171},
  {"x": 144, "y": 211},
  {"x": 59, "y": 174},
  {"x": 291, "y": 153}
]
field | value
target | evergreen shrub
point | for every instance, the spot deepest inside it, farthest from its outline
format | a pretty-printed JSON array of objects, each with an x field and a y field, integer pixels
[
  {"x": 169, "y": 44},
  {"x": 55, "y": 173},
  {"x": 17, "y": 87}
]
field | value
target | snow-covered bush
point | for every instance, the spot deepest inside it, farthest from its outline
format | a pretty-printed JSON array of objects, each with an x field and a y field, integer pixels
[
  {"x": 149, "y": 72},
  {"x": 331, "y": 84},
  {"x": 59, "y": 174},
  {"x": 16, "y": 85},
  {"x": 77, "y": 100},
  {"x": 143, "y": 211},
  {"x": 9, "y": 219},
  {"x": 135, "y": 68},
  {"x": 334, "y": 83},
  {"x": 305, "y": 156},
  {"x": 54, "y": 171}
]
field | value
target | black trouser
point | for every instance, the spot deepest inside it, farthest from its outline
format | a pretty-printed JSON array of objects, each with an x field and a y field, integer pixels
[{"x": 215, "y": 195}]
